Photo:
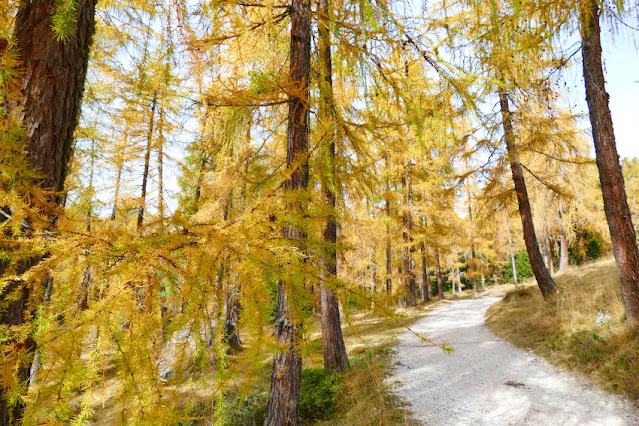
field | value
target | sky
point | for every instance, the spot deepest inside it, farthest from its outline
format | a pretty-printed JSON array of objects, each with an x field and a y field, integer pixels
[
  {"x": 622, "y": 78},
  {"x": 621, "y": 66}
]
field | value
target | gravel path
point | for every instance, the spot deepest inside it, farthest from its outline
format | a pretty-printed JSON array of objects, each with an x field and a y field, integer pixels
[{"x": 488, "y": 381}]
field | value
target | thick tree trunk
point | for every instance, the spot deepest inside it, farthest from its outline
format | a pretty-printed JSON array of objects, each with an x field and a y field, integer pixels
[
  {"x": 334, "y": 348},
  {"x": 53, "y": 81},
  {"x": 544, "y": 280},
  {"x": 438, "y": 275},
  {"x": 284, "y": 397},
  {"x": 622, "y": 232}
]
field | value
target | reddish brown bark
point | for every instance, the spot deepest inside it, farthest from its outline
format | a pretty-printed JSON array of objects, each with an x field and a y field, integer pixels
[
  {"x": 544, "y": 280},
  {"x": 52, "y": 85},
  {"x": 335, "y": 356},
  {"x": 622, "y": 232},
  {"x": 283, "y": 404}
]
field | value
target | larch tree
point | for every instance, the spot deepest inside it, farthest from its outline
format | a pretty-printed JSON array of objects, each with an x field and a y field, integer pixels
[
  {"x": 335, "y": 356},
  {"x": 53, "y": 44},
  {"x": 622, "y": 231},
  {"x": 503, "y": 32},
  {"x": 283, "y": 404},
  {"x": 544, "y": 280}
]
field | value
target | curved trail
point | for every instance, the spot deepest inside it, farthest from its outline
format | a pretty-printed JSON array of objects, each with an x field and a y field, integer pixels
[{"x": 488, "y": 381}]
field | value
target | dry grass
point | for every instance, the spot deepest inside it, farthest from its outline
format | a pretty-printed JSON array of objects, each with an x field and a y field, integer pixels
[
  {"x": 366, "y": 397},
  {"x": 565, "y": 330}
]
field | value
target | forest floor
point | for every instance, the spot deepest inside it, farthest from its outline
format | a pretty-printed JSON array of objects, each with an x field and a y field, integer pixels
[{"x": 487, "y": 380}]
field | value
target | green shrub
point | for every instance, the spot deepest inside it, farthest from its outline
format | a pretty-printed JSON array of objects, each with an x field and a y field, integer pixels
[
  {"x": 593, "y": 248},
  {"x": 524, "y": 269},
  {"x": 319, "y": 393},
  {"x": 587, "y": 247}
]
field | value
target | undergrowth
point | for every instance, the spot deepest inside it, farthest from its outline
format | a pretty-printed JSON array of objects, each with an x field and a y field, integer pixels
[
  {"x": 581, "y": 329},
  {"x": 360, "y": 396}
]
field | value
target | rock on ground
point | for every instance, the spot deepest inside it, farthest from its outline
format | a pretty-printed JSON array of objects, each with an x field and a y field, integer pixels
[{"x": 487, "y": 381}]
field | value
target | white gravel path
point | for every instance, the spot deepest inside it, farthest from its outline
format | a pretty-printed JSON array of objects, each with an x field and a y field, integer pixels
[{"x": 468, "y": 387}]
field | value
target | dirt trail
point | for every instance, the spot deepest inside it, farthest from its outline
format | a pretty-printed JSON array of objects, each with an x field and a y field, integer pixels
[{"x": 488, "y": 381}]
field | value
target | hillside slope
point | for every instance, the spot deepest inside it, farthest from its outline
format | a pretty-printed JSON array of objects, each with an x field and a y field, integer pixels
[{"x": 582, "y": 329}]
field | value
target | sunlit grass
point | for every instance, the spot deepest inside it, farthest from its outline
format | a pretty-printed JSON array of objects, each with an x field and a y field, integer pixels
[{"x": 566, "y": 330}]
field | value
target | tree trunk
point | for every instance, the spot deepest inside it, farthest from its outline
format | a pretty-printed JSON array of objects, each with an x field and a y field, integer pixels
[
  {"x": 118, "y": 182},
  {"x": 551, "y": 262},
  {"x": 83, "y": 297},
  {"x": 512, "y": 256},
  {"x": 161, "y": 173},
  {"x": 389, "y": 270},
  {"x": 544, "y": 280},
  {"x": 335, "y": 356},
  {"x": 52, "y": 84},
  {"x": 409, "y": 273},
  {"x": 563, "y": 260},
  {"x": 232, "y": 317},
  {"x": 622, "y": 232},
  {"x": 232, "y": 293},
  {"x": 147, "y": 160},
  {"x": 472, "y": 269},
  {"x": 284, "y": 397},
  {"x": 373, "y": 288},
  {"x": 438, "y": 275},
  {"x": 425, "y": 275}
]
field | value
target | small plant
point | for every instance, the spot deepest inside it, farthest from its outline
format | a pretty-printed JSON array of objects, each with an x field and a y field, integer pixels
[
  {"x": 319, "y": 393},
  {"x": 249, "y": 410},
  {"x": 589, "y": 346}
]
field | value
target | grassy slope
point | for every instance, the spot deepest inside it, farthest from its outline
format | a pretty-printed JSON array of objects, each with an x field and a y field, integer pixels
[{"x": 565, "y": 330}]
